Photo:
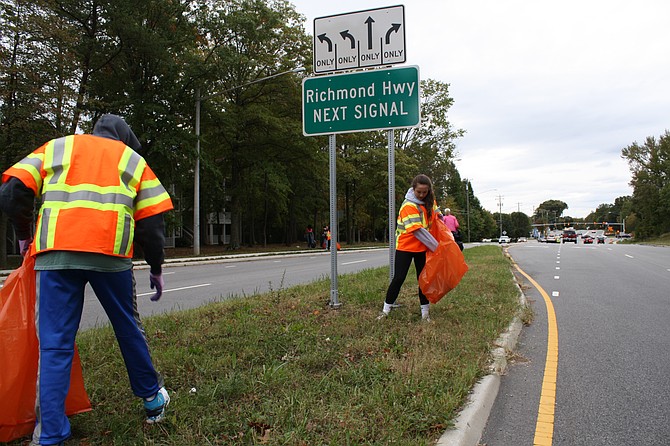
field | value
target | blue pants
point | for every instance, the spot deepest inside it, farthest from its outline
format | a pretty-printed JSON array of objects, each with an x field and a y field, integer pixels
[{"x": 59, "y": 305}]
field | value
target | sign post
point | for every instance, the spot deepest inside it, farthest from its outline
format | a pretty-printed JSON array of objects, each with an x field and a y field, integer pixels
[{"x": 379, "y": 99}]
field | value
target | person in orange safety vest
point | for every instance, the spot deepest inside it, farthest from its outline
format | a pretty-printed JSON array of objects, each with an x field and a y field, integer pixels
[
  {"x": 99, "y": 197},
  {"x": 413, "y": 240}
]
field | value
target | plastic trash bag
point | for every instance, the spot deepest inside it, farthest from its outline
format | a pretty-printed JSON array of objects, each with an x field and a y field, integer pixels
[
  {"x": 445, "y": 267},
  {"x": 19, "y": 351}
]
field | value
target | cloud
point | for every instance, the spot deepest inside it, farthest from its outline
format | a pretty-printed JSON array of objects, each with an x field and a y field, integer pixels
[{"x": 548, "y": 93}]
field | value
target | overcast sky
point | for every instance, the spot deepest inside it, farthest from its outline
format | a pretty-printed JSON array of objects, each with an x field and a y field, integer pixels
[{"x": 548, "y": 92}]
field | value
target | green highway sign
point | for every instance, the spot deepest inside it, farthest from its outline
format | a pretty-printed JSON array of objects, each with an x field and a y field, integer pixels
[{"x": 361, "y": 101}]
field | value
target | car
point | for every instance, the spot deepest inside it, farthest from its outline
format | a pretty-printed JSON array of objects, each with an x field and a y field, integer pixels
[
  {"x": 569, "y": 235},
  {"x": 486, "y": 240},
  {"x": 553, "y": 238},
  {"x": 587, "y": 240},
  {"x": 504, "y": 239},
  {"x": 600, "y": 239},
  {"x": 624, "y": 235},
  {"x": 522, "y": 239}
]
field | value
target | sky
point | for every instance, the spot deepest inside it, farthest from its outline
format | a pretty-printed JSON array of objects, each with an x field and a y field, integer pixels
[{"x": 549, "y": 93}]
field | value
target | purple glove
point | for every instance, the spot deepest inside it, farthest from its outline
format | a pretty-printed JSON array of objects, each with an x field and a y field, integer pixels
[
  {"x": 156, "y": 281},
  {"x": 24, "y": 246}
]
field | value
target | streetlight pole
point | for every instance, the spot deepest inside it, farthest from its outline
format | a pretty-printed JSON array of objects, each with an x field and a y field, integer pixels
[
  {"x": 467, "y": 205},
  {"x": 196, "y": 176},
  {"x": 500, "y": 213}
]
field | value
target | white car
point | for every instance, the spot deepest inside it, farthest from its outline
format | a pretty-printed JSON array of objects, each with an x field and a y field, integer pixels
[{"x": 504, "y": 239}]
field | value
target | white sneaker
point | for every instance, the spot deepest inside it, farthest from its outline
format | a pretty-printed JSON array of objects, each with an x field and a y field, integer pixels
[
  {"x": 155, "y": 408},
  {"x": 382, "y": 315}
]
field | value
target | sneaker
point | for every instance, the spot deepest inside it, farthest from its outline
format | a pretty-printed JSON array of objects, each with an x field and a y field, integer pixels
[
  {"x": 382, "y": 315},
  {"x": 155, "y": 408},
  {"x": 425, "y": 318}
]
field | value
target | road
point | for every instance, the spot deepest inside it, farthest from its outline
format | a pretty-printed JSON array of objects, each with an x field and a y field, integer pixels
[
  {"x": 612, "y": 307},
  {"x": 190, "y": 285}
]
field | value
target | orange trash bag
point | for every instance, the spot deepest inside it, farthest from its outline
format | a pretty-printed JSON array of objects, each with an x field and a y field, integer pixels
[
  {"x": 19, "y": 351},
  {"x": 445, "y": 267}
]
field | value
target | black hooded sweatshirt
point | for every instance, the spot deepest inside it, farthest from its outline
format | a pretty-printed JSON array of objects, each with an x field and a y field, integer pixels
[{"x": 16, "y": 200}]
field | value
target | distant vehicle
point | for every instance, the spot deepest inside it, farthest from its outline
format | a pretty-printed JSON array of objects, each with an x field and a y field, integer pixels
[
  {"x": 486, "y": 240},
  {"x": 522, "y": 239},
  {"x": 504, "y": 239},
  {"x": 553, "y": 238},
  {"x": 587, "y": 240},
  {"x": 624, "y": 235},
  {"x": 600, "y": 239},
  {"x": 569, "y": 235}
]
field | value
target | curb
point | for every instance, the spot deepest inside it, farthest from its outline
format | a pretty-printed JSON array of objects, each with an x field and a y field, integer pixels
[
  {"x": 470, "y": 423},
  {"x": 472, "y": 420}
]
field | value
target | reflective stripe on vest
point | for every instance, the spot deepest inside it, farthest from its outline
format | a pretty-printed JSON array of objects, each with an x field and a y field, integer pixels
[
  {"x": 410, "y": 220},
  {"x": 150, "y": 193},
  {"x": 411, "y": 217},
  {"x": 28, "y": 171}
]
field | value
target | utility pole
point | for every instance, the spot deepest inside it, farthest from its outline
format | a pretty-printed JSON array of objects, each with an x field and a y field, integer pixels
[{"x": 500, "y": 213}]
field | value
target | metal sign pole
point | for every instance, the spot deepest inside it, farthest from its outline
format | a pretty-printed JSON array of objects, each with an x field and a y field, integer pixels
[
  {"x": 196, "y": 178},
  {"x": 392, "y": 216},
  {"x": 334, "y": 302}
]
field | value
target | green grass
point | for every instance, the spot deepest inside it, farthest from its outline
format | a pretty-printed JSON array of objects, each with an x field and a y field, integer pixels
[
  {"x": 663, "y": 240},
  {"x": 284, "y": 368}
]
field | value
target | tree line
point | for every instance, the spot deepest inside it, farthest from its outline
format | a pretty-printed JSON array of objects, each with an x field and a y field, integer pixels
[
  {"x": 64, "y": 63},
  {"x": 646, "y": 212}
]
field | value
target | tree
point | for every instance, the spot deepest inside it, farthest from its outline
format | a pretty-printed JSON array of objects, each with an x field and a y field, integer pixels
[
  {"x": 520, "y": 225},
  {"x": 243, "y": 41},
  {"x": 650, "y": 168},
  {"x": 66, "y": 62},
  {"x": 432, "y": 144},
  {"x": 24, "y": 119},
  {"x": 550, "y": 210}
]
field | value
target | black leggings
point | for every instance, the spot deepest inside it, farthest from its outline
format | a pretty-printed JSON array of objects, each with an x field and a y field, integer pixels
[{"x": 403, "y": 260}]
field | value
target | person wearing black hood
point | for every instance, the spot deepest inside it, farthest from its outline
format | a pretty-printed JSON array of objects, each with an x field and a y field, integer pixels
[{"x": 98, "y": 196}]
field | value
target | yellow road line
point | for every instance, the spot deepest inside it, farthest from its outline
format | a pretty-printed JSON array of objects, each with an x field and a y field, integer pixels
[{"x": 544, "y": 429}]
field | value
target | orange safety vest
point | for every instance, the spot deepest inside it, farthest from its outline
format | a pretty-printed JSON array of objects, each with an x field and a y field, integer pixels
[
  {"x": 93, "y": 190},
  {"x": 411, "y": 217}
]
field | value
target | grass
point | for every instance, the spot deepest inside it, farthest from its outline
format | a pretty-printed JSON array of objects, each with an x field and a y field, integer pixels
[
  {"x": 283, "y": 368},
  {"x": 662, "y": 240}
]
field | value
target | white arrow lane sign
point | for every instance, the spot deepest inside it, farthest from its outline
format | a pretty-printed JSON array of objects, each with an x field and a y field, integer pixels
[{"x": 359, "y": 39}]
